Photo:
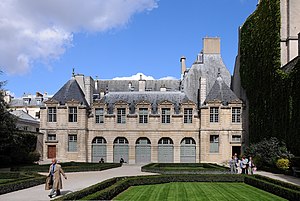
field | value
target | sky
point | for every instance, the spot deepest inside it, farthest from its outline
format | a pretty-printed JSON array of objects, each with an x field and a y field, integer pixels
[{"x": 42, "y": 41}]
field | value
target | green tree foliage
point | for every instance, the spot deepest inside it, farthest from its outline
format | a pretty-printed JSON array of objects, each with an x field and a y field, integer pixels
[
  {"x": 7, "y": 129},
  {"x": 16, "y": 147},
  {"x": 273, "y": 95},
  {"x": 267, "y": 152}
]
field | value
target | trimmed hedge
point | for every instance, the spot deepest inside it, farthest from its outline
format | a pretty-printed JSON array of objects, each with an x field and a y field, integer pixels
[
  {"x": 109, "y": 189},
  {"x": 185, "y": 168},
  {"x": 273, "y": 188},
  {"x": 90, "y": 190},
  {"x": 22, "y": 183},
  {"x": 69, "y": 167},
  {"x": 277, "y": 182},
  {"x": 118, "y": 185}
]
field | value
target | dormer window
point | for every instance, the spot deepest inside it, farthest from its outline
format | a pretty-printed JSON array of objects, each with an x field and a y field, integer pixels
[
  {"x": 121, "y": 115},
  {"x": 143, "y": 115},
  {"x": 38, "y": 101},
  {"x": 165, "y": 115},
  {"x": 26, "y": 101},
  {"x": 99, "y": 115},
  {"x": 188, "y": 115}
]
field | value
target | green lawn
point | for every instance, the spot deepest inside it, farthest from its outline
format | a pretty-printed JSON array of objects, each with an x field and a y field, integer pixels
[{"x": 196, "y": 191}]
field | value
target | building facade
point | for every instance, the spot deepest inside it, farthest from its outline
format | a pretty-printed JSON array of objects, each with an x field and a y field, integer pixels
[{"x": 194, "y": 119}]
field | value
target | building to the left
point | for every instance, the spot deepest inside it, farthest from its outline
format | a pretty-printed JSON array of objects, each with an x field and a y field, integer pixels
[{"x": 26, "y": 110}]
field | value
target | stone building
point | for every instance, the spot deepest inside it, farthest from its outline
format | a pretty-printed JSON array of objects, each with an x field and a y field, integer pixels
[
  {"x": 194, "y": 119},
  {"x": 28, "y": 103}
]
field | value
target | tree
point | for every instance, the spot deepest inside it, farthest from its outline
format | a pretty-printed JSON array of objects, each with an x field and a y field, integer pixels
[
  {"x": 268, "y": 151},
  {"x": 16, "y": 147}
]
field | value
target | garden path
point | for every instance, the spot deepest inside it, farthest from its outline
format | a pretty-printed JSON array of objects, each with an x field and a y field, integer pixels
[
  {"x": 76, "y": 181},
  {"x": 281, "y": 177}
]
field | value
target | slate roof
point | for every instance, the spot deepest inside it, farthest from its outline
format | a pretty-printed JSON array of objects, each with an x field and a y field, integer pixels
[
  {"x": 154, "y": 98},
  {"x": 19, "y": 102},
  {"x": 24, "y": 116},
  {"x": 210, "y": 67},
  {"x": 122, "y": 85},
  {"x": 70, "y": 91},
  {"x": 220, "y": 91}
]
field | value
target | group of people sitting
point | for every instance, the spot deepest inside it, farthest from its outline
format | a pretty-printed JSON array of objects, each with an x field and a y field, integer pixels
[{"x": 243, "y": 165}]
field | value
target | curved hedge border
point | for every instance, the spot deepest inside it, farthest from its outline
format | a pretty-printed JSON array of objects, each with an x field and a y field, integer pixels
[
  {"x": 190, "y": 168},
  {"x": 109, "y": 189},
  {"x": 21, "y": 183},
  {"x": 118, "y": 185}
]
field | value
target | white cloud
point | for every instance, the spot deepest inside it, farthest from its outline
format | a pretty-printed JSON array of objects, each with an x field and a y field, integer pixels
[
  {"x": 135, "y": 77},
  {"x": 168, "y": 78},
  {"x": 42, "y": 30},
  {"x": 144, "y": 77}
]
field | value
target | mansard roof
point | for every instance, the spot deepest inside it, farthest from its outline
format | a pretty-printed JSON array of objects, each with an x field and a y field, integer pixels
[
  {"x": 69, "y": 92},
  {"x": 123, "y": 85},
  {"x": 153, "y": 97},
  {"x": 221, "y": 92}
]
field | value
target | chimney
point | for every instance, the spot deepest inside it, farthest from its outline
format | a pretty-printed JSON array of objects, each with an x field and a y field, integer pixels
[
  {"x": 202, "y": 89},
  {"x": 102, "y": 93},
  {"x": 142, "y": 83},
  {"x": 183, "y": 66},
  {"x": 96, "y": 83},
  {"x": 211, "y": 45}
]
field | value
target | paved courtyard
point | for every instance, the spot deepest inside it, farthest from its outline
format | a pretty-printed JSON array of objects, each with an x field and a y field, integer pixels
[
  {"x": 79, "y": 180},
  {"x": 76, "y": 181}
]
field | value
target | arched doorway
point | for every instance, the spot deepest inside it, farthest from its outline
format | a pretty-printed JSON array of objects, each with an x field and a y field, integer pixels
[
  {"x": 121, "y": 149},
  {"x": 165, "y": 150},
  {"x": 98, "y": 149},
  {"x": 142, "y": 150},
  {"x": 188, "y": 150}
]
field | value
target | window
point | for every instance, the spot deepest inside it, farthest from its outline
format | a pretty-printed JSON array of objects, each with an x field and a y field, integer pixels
[
  {"x": 236, "y": 115},
  {"x": 51, "y": 114},
  {"x": 121, "y": 115},
  {"x": 188, "y": 115},
  {"x": 143, "y": 115},
  {"x": 166, "y": 115},
  {"x": 72, "y": 114},
  {"x": 25, "y": 128},
  {"x": 37, "y": 115},
  {"x": 72, "y": 143},
  {"x": 214, "y": 114},
  {"x": 214, "y": 144},
  {"x": 51, "y": 137},
  {"x": 99, "y": 115},
  {"x": 236, "y": 138},
  {"x": 38, "y": 101}
]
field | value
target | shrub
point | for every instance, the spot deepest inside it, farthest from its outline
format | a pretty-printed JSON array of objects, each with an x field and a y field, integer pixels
[
  {"x": 275, "y": 189},
  {"x": 21, "y": 182},
  {"x": 283, "y": 164},
  {"x": 185, "y": 168},
  {"x": 267, "y": 152}
]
